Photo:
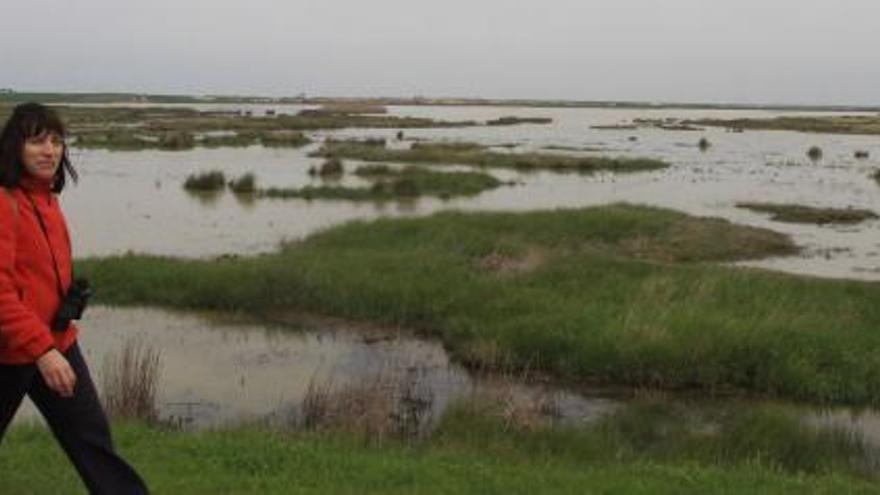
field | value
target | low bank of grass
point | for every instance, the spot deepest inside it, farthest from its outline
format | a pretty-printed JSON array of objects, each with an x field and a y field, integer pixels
[
  {"x": 389, "y": 184},
  {"x": 246, "y": 184},
  {"x": 210, "y": 181},
  {"x": 840, "y": 124},
  {"x": 352, "y": 108},
  {"x": 513, "y": 120},
  {"x": 617, "y": 294},
  {"x": 134, "y": 140},
  {"x": 137, "y": 128},
  {"x": 794, "y": 213},
  {"x": 470, "y": 452},
  {"x": 284, "y": 139},
  {"x": 558, "y": 147},
  {"x": 443, "y": 153}
]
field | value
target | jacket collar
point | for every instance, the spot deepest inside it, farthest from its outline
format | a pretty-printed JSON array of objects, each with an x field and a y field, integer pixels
[{"x": 36, "y": 186}]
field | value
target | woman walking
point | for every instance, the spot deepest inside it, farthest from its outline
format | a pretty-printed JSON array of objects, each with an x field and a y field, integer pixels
[{"x": 39, "y": 354}]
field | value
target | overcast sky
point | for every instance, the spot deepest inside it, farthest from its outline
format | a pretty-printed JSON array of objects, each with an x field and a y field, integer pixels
[{"x": 747, "y": 51}]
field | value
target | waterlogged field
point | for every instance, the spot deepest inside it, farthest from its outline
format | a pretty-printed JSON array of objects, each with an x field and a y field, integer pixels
[
  {"x": 133, "y": 201},
  {"x": 619, "y": 341}
]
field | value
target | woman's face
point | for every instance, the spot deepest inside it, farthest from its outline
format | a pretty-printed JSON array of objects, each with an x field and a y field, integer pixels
[{"x": 41, "y": 155}]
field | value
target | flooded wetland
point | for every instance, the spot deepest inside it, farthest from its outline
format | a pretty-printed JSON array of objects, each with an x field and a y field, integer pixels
[{"x": 677, "y": 269}]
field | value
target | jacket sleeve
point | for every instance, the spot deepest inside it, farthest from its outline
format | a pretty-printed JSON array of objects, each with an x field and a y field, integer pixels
[{"x": 20, "y": 328}]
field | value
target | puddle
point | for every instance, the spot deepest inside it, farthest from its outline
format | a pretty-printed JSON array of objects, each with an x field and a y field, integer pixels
[{"x": 215, "y": 373}]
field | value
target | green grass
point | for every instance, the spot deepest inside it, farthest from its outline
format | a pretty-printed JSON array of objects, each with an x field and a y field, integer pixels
[
  {"x": 389, "y": 184},
  {"x": 116, "y": 140},
  {"x": 618, "y": 294},
  {"x": 444, "y": 153},
  {"x": 470, "y": 452},
  {"x": 275, "y": 139},
  {"x": 374, "y": 170},
  {"x": 352, "y": 108},
  {"x": 234, "y": 140},
  {"x": 846, "y": 124},
  {"x": 615, "y": 127},
  {"x": 454, "y": 146},
  {"x": 557, "y": 147},
  {"x": 176, "y": 140},
  {"x": 511, "y": 120},
  {"x": 137, "y": 128},
  {"x": 134, "y": 140},
  {"x": 284, "y": 139},
  {"x": 793, "y": 213}
]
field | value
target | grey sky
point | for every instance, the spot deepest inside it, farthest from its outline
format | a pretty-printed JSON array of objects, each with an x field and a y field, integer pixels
[{"x": 780, "y": 51}]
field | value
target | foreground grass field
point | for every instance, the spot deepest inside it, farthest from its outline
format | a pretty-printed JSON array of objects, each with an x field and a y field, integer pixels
[
  {"x": 470, "y": 452},
  {"x": 618, "y": 294}
]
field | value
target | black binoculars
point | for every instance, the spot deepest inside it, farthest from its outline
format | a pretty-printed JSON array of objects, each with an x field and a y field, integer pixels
[{"x": 73, "y": 305}]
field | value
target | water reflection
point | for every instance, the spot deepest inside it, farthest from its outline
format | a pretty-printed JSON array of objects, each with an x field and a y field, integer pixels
[
  {"x": 207, "y": 198},
  {"x": 217, "y": 372}
]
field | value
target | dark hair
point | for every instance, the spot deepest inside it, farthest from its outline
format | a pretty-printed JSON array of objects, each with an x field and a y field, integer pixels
[{"x": 30, "y": 120}]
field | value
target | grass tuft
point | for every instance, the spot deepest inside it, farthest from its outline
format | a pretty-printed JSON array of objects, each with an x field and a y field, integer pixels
[
  {"x": 806, "y": 214},
  {"x": 205, "y": 181}
]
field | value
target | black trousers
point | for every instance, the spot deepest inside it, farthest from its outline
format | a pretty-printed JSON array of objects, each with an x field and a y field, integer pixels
[{"x": 78, "y": 423}]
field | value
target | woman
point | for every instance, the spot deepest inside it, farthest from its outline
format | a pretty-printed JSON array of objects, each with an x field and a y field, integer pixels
[{"x": 38, "y": 358}]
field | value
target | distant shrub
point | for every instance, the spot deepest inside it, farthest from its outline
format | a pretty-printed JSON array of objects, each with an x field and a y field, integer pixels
[
  {"x": 331, "y": 167},
  {"x": 245, "y": 184},
  {"x": 177, "y": 140},
  {"x": 405, "y": 186},
  {"x": 205, "y": 181},
  {"x": 284, "y": 139},
  {"x": 373, "y": 170}
]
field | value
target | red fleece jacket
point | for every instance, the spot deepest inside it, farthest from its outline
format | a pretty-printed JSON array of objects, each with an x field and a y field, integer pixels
[{"x": 29, "y": 294}]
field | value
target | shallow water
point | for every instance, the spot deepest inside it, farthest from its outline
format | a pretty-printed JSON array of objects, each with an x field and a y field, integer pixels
[
  {"x": 215, "y": 373},
  {"x": 134, "y": 201}
]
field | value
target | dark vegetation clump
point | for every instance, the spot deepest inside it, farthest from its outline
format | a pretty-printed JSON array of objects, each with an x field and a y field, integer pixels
[
  {"x": 205, "y": 181},
  {"x": 246, "y": 184}
]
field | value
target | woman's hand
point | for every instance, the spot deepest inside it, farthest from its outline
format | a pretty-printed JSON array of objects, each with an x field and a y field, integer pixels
[{"x": 57, "y": 373}]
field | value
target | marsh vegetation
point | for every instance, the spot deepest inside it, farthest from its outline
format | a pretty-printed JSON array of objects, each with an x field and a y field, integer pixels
[
  {"x": 209, "y": 181},
  {"x": 845, "y": 124},
  {"x": 794, "y": 213},
  {"x": 475, "y": 155},
  {"x": 618, "y": 294},
  {"x": 391, "y": 183},
  {"x": 356, "y": 441}
]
